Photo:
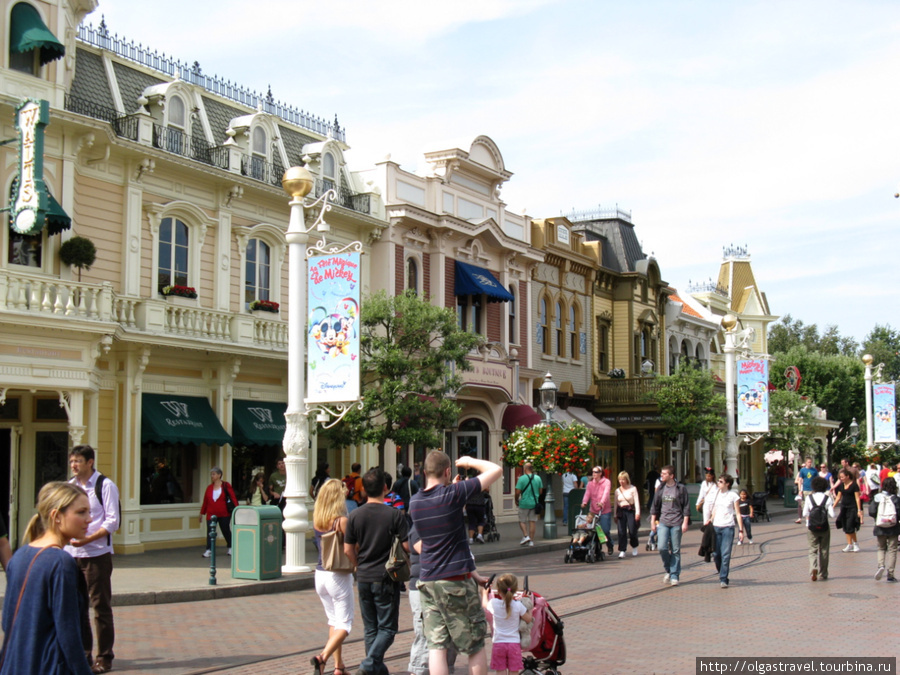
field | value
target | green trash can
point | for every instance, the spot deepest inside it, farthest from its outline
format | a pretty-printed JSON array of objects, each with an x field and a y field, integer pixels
[
  {"x": 256, "y": 542},
  {"x": 790, "y": 495}
]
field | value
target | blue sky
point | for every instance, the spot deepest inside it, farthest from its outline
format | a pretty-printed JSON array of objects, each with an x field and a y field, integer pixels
[{"x": 770, "y": 124}]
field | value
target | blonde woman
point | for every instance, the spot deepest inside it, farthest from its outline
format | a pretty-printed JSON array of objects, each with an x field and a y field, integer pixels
[
  {"x": 335, "y": 589},
  {"x": 42, "y": 607},
  {"x": 628, "y": 514}
]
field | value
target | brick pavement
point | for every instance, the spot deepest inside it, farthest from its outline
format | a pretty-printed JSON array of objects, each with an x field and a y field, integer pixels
[{"x": 619, "y": 617}]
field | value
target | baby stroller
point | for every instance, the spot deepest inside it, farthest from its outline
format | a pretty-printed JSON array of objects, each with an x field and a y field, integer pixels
[
  {"x": 585, "y": 543},
  {"x": 491, "y": 533},
  {"x": 760, "y": 510},
  {"x": 547, "y": 645}
]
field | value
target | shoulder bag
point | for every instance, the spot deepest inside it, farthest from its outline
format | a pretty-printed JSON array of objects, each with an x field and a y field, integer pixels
[
  {"x": 397, "y": 566},
  {"x": 229, "y": 502},
  {"x": 334, "y": 559}
]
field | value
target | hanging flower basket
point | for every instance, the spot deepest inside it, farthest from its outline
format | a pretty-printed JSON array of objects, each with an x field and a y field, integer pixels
[
  {"x": 264, "y": 306},
  {"x": 552, "y": 449},
  {"x": 180, "y": 291}
]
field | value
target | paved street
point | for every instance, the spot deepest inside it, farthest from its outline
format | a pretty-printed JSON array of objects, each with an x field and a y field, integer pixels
[{"x": 619, "y": 618}]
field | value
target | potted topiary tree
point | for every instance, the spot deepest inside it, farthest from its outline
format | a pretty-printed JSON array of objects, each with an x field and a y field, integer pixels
[{"x": 78, "y": 252}]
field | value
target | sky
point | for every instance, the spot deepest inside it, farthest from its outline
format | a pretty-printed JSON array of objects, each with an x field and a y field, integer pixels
[{"x": 772, "y": 125}]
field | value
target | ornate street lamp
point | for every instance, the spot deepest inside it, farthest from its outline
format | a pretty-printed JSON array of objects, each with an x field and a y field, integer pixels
[
  {"x": 870, "y": 428},
  {"x": 854, "y": 430},
  {"x": 731, "y": 442},
  {"x": 548, "y": 405}
]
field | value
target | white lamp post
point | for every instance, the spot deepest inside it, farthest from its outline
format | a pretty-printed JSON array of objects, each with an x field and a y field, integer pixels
[
  {"x": 731, "y": 443},
  {"x": 870, "y": 428},
  {"x": 548, "y": 405}
]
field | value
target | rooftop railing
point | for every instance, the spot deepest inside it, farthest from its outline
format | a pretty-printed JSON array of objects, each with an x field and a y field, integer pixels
[
  {"x": 600, "y": 213},
  {"x": 125, "y": 126},
  {"x": 101, "y": 37}
]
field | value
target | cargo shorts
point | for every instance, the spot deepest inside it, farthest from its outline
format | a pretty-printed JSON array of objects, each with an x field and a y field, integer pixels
[{"x": 452, "y": 613}]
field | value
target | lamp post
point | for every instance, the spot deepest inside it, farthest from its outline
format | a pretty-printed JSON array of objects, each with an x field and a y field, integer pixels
[
  {"x": 731, "y": 444},
  {"x": 870, "y": 429},
  {"x": 298, "y": 183},
  {"x": 548, "y": 405}
]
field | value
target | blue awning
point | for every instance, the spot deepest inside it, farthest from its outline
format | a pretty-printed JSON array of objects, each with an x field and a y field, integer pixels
[{"x": 473, "y": 280}]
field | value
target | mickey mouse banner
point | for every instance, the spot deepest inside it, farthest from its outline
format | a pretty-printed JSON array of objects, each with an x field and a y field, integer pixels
[
  {"x": 753, "y": 396},
  {"x": 885, "y": 409}
]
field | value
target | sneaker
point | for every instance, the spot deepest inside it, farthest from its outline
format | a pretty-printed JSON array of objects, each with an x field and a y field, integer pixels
[
  {"x": 723, "y": 584},
  {"x": 847, "y": 548},
  {"x": 229, "y": 551},
  {"x": 633, "y": 552},
  {"x": 471, "y": 541},
  {"x": 824, "y": 577},
  {"x": 480, "y": 539},
  {"x": 674, "y": 581},
  {"x": 739, "y": 542},
  {"x": 892, "y": 578},
  {"x": 524, "y": 541},
  {"x": 207, "y": 553},
  {"x": 814, "y": 575},
  {"x": 855, "y": 548},
  {"x": 530, "y": 543},
  {"x": 749, "y": 541},
  {"x": 666, "y": 578},
  {"x": 621, "y": 554},
  {"x": 879, "y": 574}
]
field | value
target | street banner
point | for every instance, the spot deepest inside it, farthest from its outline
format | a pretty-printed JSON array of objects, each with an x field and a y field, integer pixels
[
  {"x": 753, "y": 396},
  {"x": 884, "y": 405},
  {"x": 332, "y": 346}
]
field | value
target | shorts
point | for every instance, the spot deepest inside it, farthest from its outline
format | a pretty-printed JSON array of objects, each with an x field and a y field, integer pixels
[
  {"x": 506, "y": 656},
  {"x": 452, "y": 614},
  {"x": 527, "y": 515}
]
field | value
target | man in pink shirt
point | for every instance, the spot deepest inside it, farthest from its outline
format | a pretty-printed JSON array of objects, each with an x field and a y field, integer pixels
[{"x": 596, "y": 498}]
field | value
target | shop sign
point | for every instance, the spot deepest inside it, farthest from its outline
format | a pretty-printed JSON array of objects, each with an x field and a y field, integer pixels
[
  {"x": 30, "y": 200},
  {"x": 489, "y": 374}
]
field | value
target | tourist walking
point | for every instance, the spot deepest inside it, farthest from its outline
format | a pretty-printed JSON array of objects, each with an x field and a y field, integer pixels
[
  {"x": 628, "y": 514},
  {"x": 219, "y": 501},
  {"x": 886, "y": 532},
  {"x": 42, "y": 606},
  {"x": 670, "y": 516},
  {"x": 850, "y": 517},
  {"x": 597, "y": 499},
  {"x": 334, "y": 587},
  {"x": 259, "y": 495},
  {"x": 528, "y": 491},
  {"x": 745, "y": 508},
  {"x": 724, "y": 516},
  {"x": 818, "y": 507},
  {"x": 507, "y": 611}
]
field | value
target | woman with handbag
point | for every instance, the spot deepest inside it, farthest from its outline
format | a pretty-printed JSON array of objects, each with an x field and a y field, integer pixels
[
  {"x": 628, "y": 514},
  {"x": 43, "y": 606},
  {"x": 850, "y": 517},
  {"x": 219, "y": 501},
  {"x": 334, "y": 572}
]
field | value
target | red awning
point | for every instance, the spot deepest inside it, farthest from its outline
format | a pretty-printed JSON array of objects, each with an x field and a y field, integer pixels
[{"x": 520, "y": 415}]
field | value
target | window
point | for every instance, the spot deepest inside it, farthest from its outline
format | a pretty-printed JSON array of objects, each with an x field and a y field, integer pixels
[
  {"x": 468, "y": 308},
  {"x": 259, "y": 153},
  {"x": 558, "y": 329},
  {"x": 603, "y": 346},
  {"x": 25, "y": 249},
  {"x": 574, "y": 342},
  {"x": 412, "y": 275},
  {"x": 176, "y": 112},
  {"x": 328, "y": 172},
  {"x": 25, "y": 62},
  {"x": 31, "y": 44},
  {"x": 173, "y": 254},
  {"x": 259, "y": 271},
  {"x": 544, "y": 327},
  {"x": 511, "y": 307}
]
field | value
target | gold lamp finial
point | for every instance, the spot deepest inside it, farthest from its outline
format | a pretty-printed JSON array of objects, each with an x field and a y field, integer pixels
[
  {"x": 867, "y": 359},
  {"x": 729, "y": 321},
  {"x": 297, "y": 182}
]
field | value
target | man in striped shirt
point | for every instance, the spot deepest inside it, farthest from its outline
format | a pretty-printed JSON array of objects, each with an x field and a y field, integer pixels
[{"x": 451, "y": 605}]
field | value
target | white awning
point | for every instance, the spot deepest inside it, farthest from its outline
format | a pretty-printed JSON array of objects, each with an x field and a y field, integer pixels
[{"x": 590, "y": 421}]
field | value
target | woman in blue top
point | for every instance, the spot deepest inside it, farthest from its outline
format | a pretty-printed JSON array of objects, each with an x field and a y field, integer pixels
[{"x": 42, "y": 607}]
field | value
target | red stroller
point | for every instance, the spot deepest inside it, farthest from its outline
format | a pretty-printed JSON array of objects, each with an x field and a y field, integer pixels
[{"x": 548, "y": 647}]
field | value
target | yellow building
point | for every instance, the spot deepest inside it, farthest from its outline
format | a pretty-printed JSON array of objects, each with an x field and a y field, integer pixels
[{"x": 175, "y": 178}]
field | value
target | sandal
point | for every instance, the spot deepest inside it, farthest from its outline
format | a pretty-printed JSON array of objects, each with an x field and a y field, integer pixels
[
  {"x": 319, "y": 665},
  {"x": 100, "y": 668},
  {"x": 340, "y": 671}
]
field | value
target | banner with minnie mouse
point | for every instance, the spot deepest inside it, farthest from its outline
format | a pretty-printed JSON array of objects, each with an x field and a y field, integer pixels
[
  {"x": 332, "y": 348},
  {"x": 753, "y": 396},
  {"x": 884, "y": 406}
]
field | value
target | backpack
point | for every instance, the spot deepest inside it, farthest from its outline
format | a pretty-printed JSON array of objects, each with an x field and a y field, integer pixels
[
  {"x": 887, "y": 512},
  {"x": 818, "y": 515},
  {"x": 350, "y": 483},
  {"x": 98, "y": 491}
]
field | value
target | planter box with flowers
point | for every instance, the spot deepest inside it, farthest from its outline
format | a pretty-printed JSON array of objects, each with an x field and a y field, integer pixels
[
  {"x": 264, "y": 306},
  {"x": 180, "y": 295},
  {"x": 552, "y": 449}
]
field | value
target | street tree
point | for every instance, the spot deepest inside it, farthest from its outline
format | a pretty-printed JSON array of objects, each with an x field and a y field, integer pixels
[
  {"x": 792, "y": 424},
  {"x": 689, "y": 405},
  {"x": 883, "y": 343},
  {"x": 411, "y": 354},
  {"x": 789, "y": 333}
]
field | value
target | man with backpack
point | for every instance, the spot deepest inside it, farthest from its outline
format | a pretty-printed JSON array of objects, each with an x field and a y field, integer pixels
[
  {"x": 93, "y": 554},
  {"x": 405, "y": 487},
  {"x": 885, "y": 508},
  {"x": 818, "y": 507},
  {"x": 353, "y": 488}
]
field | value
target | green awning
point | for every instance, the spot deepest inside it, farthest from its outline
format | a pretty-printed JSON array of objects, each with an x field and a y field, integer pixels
[
  {"x": 180, "y": 419},
  {"x": 29, "y": 32},
  {"x": 57, "y": 219},
  {"x": 258, "y": 423}
]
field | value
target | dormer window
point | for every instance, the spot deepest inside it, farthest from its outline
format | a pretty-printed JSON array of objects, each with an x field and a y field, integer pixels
[
  {"x": 328, "y": 171},
  {"x": 31, "y": 44},
  {"x": 259, "y": 153},
  {"x": 176, "y": 112}
]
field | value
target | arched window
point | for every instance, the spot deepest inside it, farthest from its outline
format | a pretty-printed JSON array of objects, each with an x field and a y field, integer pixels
[
  {"x": 412, "y": 275},
  {"x": 700, "y": 356},
  {"x": 258, "y": 284},
  {"x": 602, "y": 346},
  {"x": 558, "y": 329},
  {"x": 468, "y": 311},
  {"x": 259, "y": 153},
  {"x": 544, "y": 326},
  {"x": 177, "y": 116},
  {"x": 574, "y": 341},
  {"x": 31, "y": 44},
  {"x": 173, "y": 254},
  {"x": 511, "y": 308}
]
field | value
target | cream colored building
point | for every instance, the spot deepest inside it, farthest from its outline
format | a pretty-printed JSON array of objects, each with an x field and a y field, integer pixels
[{"x": 175, "y": 177}]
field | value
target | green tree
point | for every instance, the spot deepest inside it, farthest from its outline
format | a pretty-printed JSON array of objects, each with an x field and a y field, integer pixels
[
  {"x": 689, "y": 405},
  {"x": 883, "y": 343},
  {"x": 833, "y": 382},
  {"x": 411, "y": 353},
  {"x": 789, "y": 333},
  {"x": 791, "y": 424}
]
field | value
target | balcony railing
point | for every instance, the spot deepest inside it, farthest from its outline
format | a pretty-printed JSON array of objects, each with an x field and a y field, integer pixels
[
  {"x": 39, "y": 295},
  {"x": 125, "y": 126},
  {"x": 355, "y": 201},
  {"x": 260, "y": 169},
  {"x": 178, "y": 142},
  {"x": 632, "y": 390}
]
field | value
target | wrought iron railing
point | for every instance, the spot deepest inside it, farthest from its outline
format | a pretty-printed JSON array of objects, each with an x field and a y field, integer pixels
[
  {"x": 124, "y": 125},
  {"x": 600, "y": 213},
  {"x": 355, "y": 201},
  {"x": 178, "y": 142},
  {"x": 633, "y": 390},
  {"x": 708, "y": 286},
  {"x": 260, "y": 169},
  {"x": 101, "y": 37}
]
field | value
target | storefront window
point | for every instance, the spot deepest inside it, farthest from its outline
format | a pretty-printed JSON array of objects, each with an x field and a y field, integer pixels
[{"x": 169, "y": 474}]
